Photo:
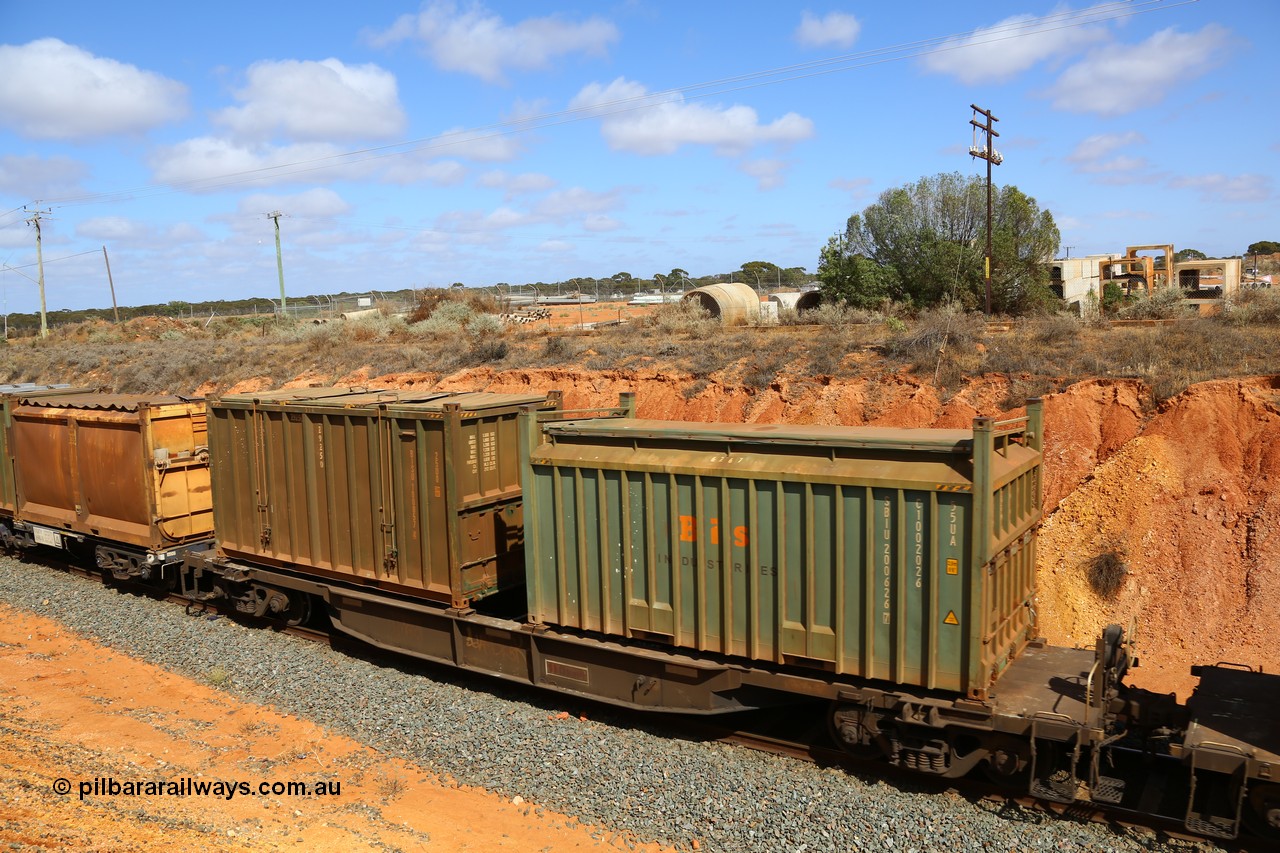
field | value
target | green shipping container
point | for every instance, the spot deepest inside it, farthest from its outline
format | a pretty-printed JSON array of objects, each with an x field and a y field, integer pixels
[
  {"x": 413, "y": 492},
  {"x": 895, "y": 554}
]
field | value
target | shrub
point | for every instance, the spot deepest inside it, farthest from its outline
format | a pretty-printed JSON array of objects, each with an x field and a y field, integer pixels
[
  {"x": 1164, "y": 303},
  {"x": 1106, "y": 570}
]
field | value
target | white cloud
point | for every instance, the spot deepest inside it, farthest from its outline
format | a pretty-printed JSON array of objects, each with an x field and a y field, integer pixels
[
  {"x": 665, "y": 122},
  {"x": 40, "y": 177},
  {"x": 1119, "y": 79},
  {"x": 408, "y": 170},
  {"x": 835, "y": 28},
  {"x": 478, "y": 42},
  {"x": 855, "y": 187},
  {"x": 1094, "y": 148},
  {"x": 1219, "y": 187},
  {"x": 111, "y": 228},
  {"x": 314, "y": 202},
  {"x": 565, "y": 204},
  {"x": 515, "y": 185},
  {"x": 315, "y": 101},
  {"x": 220, "y": 161},
  {"x": 209, "y": 163},
  {"x": 52, "y": 90},
  {"x": 999, "y": 53},
  {"x": 555, "y": 246},
  {"x": 599, "y": 222},
  {"x": 768, "y": 173},
  {"x": 485, "y": 147}
]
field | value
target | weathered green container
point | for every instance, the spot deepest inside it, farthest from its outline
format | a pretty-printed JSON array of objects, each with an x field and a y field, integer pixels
[
  {"x": 10, "y": 396},
  {"x": 413, "y": 492},
  {"x": 895, "y": 554}
]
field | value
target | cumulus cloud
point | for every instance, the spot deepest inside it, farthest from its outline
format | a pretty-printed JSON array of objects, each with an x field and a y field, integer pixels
[
  {"x": 576, "y": 201},
  {"x": 210, "y": 163},
  {"x": 320, "y": 202},
  {"x": 1120, "y": 79},
  {"x": 41, "y": 177},
  {"x": 315, "y": 101},
  {"x": 835, "y": 28},
  {"x": 767, "y": 172},
  {"x": 515, "y": 185},
  {"x": 1094, "y": 153},
  {"x": 486, "y": 147},
  {"x": 555, "y": 246},
  {"x": 479, "y": 42},
  {"x": 666, "y": 121},
  {"x": 599, "y": 222},
  {"x": 855, "y": 187},
  {"x": 999, "y": 53},
  {"x": 114, "y": 229},
  {"x": 1233, "y": 188},
  {"x": 52, "y": 90}
]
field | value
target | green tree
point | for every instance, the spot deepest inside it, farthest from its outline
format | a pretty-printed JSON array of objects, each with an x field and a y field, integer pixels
[
  {"x": 1263, "y": 247},
  {"x": 852, "y": 278},
  {"x": 760, "y": 273},
  {"x": 931, "y": 236},
  {"x": 1189, "y": 255}
]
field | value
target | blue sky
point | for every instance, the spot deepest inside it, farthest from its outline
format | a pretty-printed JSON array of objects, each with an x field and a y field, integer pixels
[{"x": 413, "y": 145}]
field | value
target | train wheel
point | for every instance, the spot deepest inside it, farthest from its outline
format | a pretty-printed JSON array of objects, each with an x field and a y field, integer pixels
[
  {"x": 1263, "y": 811},
  {"x": 854, "y": 728},
  {"x": 1008, "y": 762},
  {"x": 299, "y": 611}
]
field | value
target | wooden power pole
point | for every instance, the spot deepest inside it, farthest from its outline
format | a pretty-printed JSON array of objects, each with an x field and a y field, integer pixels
[
  {"x": 44, "y": 317},
  {"x": 986, "y": 152}
]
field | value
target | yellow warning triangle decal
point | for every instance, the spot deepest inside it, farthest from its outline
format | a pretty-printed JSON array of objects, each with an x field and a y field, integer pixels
[{"x": 951, "y": 618}]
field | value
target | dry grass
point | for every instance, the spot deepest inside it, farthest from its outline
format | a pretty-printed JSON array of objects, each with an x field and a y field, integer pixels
[{"x": 943, "y": 347}]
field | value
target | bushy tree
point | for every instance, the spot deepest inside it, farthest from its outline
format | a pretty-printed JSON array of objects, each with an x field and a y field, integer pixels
[
  {"x": 928, "y": 241},
  {"x": 1263, "y": 247}
]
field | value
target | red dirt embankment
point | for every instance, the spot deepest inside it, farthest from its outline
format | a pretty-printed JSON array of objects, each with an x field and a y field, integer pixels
[{"x": 1186, "y": 496}]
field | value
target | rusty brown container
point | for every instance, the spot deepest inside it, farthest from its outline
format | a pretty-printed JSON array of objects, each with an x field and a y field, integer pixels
[
  {"x": 10, "y": 396},
  {"x": 901, "y": 555},
  {"x": 130, "y": 469},
  {"x": 416, "y": 493}
]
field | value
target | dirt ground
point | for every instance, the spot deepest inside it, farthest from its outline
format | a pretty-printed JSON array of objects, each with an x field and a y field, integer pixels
[{"x": 76, "y": 711}]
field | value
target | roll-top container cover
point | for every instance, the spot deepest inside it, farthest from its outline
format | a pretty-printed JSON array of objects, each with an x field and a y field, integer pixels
[
  {"x": 415, "y": 492},
  {"x": 10, "y": 396},
  {"x": 129, "y": 468},
  {"x": 906, "y": 555}
]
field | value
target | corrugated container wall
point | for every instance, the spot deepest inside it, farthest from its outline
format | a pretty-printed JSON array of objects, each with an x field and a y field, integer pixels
[
  {"x": 418, "y": 493},
  {"x": 127, "y": 468},
  {"x": 11, "y": 396},
  {"x": 903, "y": 555}
]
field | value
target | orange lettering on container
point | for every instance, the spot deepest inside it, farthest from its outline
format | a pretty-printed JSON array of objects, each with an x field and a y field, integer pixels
[
  {"x": 740, "y": 536},
  {"x": 688, "y": 530}
]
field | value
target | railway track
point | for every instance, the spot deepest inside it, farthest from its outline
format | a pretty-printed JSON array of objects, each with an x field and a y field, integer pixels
[{"x": 758, "y": 731}]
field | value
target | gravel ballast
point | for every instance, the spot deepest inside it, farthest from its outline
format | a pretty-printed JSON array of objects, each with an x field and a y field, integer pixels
[{"x": 517, "y": 743}]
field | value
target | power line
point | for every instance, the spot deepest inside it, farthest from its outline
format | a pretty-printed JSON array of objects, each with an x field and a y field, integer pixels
[{"x": 725, "y": 85}]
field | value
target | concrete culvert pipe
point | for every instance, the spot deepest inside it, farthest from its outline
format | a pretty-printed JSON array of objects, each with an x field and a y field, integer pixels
[
  {"x": 797, "y": 302},
  {"x": 735, "y": 303}
]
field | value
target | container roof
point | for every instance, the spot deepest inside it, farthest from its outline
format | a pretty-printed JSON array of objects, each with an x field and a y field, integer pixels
[
  {"x": 112, "y": 402},
  {"x": 348, "y": 398},
  {"x": 938, "y": 440}
]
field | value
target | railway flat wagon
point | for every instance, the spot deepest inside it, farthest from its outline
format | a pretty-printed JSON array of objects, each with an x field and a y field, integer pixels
[
  {"x": 128, "y": 474},
  {"x": 417, "y": 493},
  {"x": 905, "y": 556}
]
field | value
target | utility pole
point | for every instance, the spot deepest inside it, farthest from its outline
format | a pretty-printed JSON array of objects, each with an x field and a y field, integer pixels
[
  {"x": 115, "y": 309},
  {"x": 44, "y": 318},
  {"x": 1068, "y": 248},
  {"x": 986, "y": 152},
  {"x": 275, "y": 214}
]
